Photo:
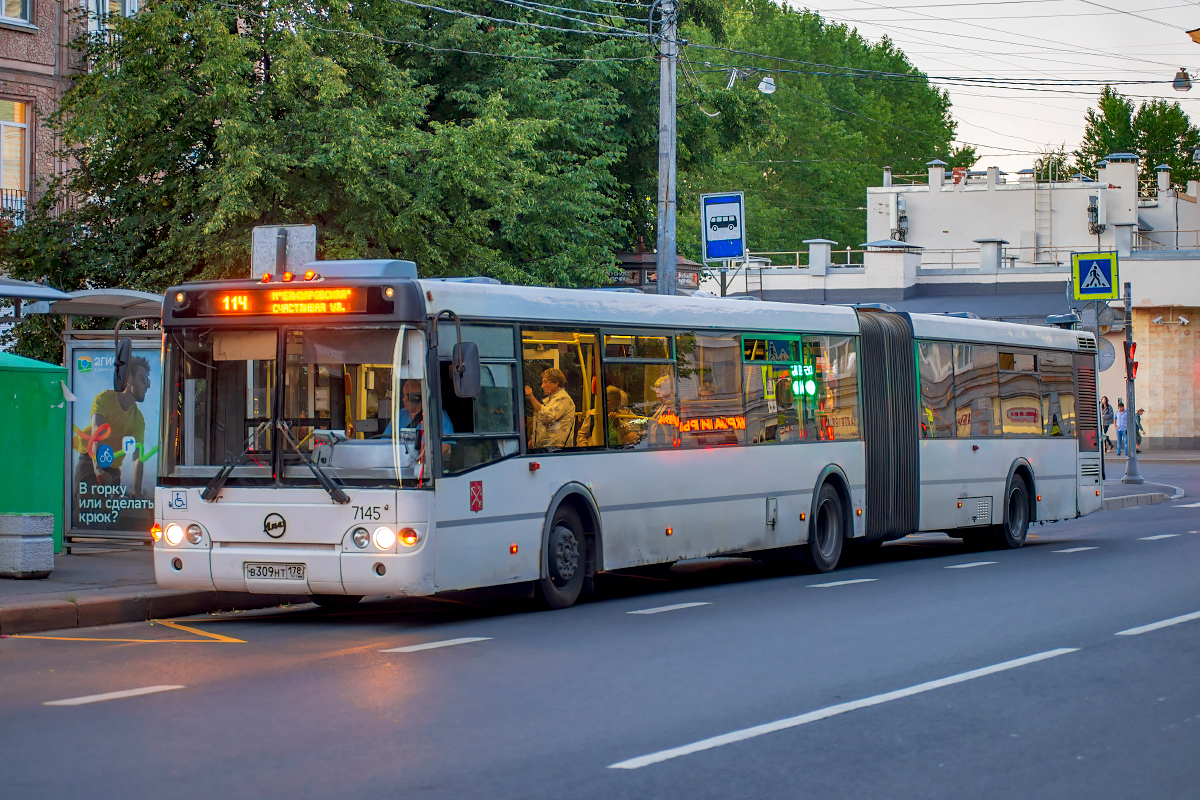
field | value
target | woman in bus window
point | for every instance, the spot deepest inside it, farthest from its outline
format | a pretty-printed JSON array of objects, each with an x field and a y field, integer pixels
[
  {"x": 663, "y": 430},
  {"x": 554, "y": 416}
]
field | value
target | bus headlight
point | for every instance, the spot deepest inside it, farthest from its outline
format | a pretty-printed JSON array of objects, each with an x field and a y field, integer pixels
[
  {"x": 361, "y": 538},
  {"x": 384, "y": 538},
  {"x": 174, "y": 533},
  {"x": 409, "y": 537},
  {"x": 195, "y": 534}
]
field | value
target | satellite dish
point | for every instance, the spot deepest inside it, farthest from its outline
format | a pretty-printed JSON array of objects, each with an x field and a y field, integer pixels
[{"x": 1108, "y": 354}]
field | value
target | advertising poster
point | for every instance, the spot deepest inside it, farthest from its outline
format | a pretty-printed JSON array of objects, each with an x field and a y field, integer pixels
[{"x": 114, "y": 441}]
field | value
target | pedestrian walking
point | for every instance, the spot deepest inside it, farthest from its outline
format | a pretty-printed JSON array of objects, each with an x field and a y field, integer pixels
[
  {"x": 1137, "y": 421},
  {"x": 1122, "y": 429},
  {"x": 1106, "y": 419}
]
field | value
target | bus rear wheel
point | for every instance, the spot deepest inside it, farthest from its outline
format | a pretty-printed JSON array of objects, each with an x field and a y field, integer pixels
[
  {"x": 824, "y": 546},
  {"x": 1011, "y": 533},
  {"x": 566, "y": 560}
]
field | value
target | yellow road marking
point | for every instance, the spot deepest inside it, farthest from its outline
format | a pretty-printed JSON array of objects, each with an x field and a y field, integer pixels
[{"x": 207, "y": 637}]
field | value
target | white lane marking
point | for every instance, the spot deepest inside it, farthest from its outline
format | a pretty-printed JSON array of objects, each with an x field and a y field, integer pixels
[
  {"x": 1076, "y": 549},
  {"x": 661, "y": 609},
  {"x": 413, "y": 648},
  {"x": 1160, "y": 536},
  {"x": 1188, "y": 505},
  {"x": 840, "y": 583},
  {"x": 972, "y": 564},
  {"x": 831, "y": 711},
  {"x": 1166, "y": 623},
  {"x": 100, "y": 698}
]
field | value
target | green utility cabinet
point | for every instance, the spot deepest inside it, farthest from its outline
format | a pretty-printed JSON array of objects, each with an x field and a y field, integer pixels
[{"x": 33, "y": 417}]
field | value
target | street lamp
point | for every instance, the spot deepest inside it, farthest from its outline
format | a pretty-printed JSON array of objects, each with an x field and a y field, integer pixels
[{"x": 1182, "y": 82}]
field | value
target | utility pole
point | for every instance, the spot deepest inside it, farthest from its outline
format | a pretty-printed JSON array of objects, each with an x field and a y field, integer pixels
[
  {"x": 1132, "y": 473},
  {"x": 668, "y": 53}
]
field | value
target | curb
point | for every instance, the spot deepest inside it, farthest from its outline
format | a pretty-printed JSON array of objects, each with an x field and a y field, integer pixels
[
  {"x": 108, "y": 609},
  {"x": 1129, "y": 500}
]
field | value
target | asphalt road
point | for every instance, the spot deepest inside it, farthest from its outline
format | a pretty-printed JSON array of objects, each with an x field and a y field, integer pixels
[{"x": 929, "y": 671}]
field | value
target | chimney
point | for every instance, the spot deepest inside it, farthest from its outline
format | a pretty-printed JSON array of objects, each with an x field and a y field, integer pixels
[
  {"x": 993, "y": 177},
  {"x": 1163, "y": 172},
  {"x": 820, "y": 255},
  {"x": 937, "y": 173},
  {"x": 887, "y": 176}
]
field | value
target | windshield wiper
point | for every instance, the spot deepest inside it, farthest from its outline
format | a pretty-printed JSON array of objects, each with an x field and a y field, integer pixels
[
  {"x": 213, "y": 490},
  {"x": 335, "y": 492}
]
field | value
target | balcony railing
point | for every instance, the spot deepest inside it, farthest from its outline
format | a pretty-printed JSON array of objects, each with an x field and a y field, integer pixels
[{"x": 12, "y": 206}]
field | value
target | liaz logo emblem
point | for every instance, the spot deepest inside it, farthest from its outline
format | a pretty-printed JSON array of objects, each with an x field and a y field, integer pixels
[
  {"x": 85, "y": 363},
  {"x": 274, "y": 526}
]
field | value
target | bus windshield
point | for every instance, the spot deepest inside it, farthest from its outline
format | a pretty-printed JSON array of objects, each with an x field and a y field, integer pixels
[{"x": 334, "y": 389}]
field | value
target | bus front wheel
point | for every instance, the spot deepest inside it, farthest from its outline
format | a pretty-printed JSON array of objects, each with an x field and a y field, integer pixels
[
  {"x": 824, "y": 547},
  {"x": 566, "y": 560}
]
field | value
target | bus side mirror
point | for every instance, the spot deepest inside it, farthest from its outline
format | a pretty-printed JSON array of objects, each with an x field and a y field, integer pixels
[
  {"x": 124, "y": 350},
  {"x": 464, "y": 369}
]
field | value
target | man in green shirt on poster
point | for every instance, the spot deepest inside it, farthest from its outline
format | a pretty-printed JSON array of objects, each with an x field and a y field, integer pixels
[{"x": 115, "y": 416}]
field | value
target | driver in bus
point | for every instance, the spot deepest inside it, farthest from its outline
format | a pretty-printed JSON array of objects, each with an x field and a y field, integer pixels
[
  {"x": 553, "y": 416},
  {"x": 413, "y": 416}
]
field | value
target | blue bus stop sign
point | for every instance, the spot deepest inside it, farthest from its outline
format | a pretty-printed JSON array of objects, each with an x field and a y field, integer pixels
[
  {"x": 723, "y": 226},
  {"x": 1095, "y": 276}
]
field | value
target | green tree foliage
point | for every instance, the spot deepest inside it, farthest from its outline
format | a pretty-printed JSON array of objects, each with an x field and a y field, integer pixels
[
  {"x": 1157, "y": 132},
  {"x": 1053, "y": 163},
  {"x": 468, "y": 145},
  {"x": 831, "y": 130}
]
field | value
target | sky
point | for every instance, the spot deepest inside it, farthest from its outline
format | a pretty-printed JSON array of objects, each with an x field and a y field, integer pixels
[{"x": 1034, "y": 40}]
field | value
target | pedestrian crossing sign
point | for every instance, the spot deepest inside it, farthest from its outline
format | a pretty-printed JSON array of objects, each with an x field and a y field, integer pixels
[{"x": 1095, "y": 276}]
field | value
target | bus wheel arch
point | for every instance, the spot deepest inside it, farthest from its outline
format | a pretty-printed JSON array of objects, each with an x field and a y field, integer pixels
[{"x": 571, "y": 535}]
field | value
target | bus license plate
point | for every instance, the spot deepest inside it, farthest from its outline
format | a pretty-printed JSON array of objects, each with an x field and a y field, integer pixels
[{"x": 274, "y": 572}]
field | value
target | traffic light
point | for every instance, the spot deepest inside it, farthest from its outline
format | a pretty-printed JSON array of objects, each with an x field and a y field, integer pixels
[{"x": 1130, "y": 364}]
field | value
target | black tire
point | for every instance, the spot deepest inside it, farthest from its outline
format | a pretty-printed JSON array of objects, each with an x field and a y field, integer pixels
[
  {"x": 1011, "y": 533},
  {"x": 336, "y": 602},
  {"x": 826, "y": 532},
  {"x": 566, "y": 560}
]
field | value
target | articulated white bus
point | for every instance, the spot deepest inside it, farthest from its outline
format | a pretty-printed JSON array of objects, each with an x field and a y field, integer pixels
[{"x": 357, "y": 431}]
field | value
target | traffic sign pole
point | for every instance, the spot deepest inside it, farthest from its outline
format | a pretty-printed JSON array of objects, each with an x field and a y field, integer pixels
[{"x": 1132, "y": 473}]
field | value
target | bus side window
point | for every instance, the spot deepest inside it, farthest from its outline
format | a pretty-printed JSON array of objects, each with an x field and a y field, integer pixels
[
  {"x": 935, "y": 364},
  {"x": 977, "y": 390},
  {"x": 561, "y": 371},
  {"x": 709, "y": 389},
  {"x": 483, "y": 428},
  {"x": 1058, "y": 394}
]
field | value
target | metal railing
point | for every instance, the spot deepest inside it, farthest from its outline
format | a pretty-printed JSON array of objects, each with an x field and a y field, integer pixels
[
  {"x": 798, "y": 259},
  {"x": 12, "y": 206},
  {"x": 1167, "y": 240}
]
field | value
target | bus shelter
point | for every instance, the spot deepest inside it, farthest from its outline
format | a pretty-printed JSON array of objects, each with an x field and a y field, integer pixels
[{"x": 110, "y": 440}]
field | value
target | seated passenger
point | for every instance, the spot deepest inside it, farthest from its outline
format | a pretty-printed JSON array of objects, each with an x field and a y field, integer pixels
[
  {"x": 620, "y": 432},
  {"x": 554, "y": 417},
  {"x": 413, "y": 416}
]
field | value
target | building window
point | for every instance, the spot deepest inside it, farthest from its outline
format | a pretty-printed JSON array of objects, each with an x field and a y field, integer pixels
[
  {"x": 14, "y": 132},
  {"x": 101, "y": 11},
  {"x": 16, "y": 10}
]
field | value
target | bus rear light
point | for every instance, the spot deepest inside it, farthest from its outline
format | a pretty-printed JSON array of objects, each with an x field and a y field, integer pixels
[
  {"x": 156, "y": 531},
  {"x": 174, "y": 534},
  {"x": 512, "y": 548},
  {"x": 384, "y": 538},
  {"x": 409, "y": 537}
]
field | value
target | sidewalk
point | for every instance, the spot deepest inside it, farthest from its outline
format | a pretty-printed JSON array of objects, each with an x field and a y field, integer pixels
[{"x": 103, "y": 586}]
